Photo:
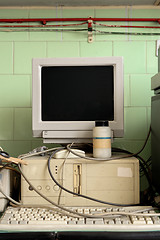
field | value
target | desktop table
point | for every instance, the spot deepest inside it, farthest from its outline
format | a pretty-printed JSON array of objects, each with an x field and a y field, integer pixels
[{"x": 80, "y": 235}]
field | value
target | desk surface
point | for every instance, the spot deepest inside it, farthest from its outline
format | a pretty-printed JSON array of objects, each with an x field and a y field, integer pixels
[{"x": 81, "y": 235}]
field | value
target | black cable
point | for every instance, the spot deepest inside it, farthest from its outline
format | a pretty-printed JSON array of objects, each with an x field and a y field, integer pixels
[
  {"x": 149, "y": 163},
  {"x": 111, "y": 158},
  {"x": 78, "y": 30},
  {"x": 143, "y": 165},
  {"x": 149, "y": 132},
  {"x": 127, "y": 33},
  {"x": 132, "y": 155},
  {"x": 81, "y": 195}
]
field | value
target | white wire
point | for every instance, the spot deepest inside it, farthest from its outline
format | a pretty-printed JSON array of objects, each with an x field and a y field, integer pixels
[
  {"x": 44, "y": 207},
  {"x": 98, "y": 159},
  {"x": 62, "y": 174},
  {"x": 50, "y": 201},
  {"x": 1, "y": 149},
  {"x": 68, "y": 210},
  {"x": 37, "y": 153},
  {"x": 106, "y": 214}
]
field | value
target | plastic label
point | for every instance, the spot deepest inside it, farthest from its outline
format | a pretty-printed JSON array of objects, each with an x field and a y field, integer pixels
[{"x": 102, "y": 142}]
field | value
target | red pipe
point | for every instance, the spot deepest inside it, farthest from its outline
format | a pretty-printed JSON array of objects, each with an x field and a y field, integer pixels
[
  {"x": 45, "y": 20},
  {"x": 42, "y": 26}
]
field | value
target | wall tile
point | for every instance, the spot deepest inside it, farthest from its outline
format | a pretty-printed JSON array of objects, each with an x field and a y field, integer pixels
[
  {"x": 43, "y": 13},
  {"x": 61, "y": 13},
  {"x": 75, "y": 35},
  {"x": 127, "y": 90},
  {"x": 139, "y": 59},
  {"x": 144, "y": 33},
  {"x": 111, "y": 33},
  {"x": 77, "y": 13},
  {"x": 134, "y": 54},
  {"x": 13, "y": 36},
  {"x": 6, "y": 58},
  {"x": 23, "y": 124},
  {"x": 96, "y": 49},
  {"x": 129, "y": 145},
  {"x": 48, "y": 35},
  {"x": 14, "y": 13},
  {"x": 23, "y": 54},
  {"x": 16, "y": 148},
  {"x": 6, "y": 124},
  {"x": 134, "y": 146},
  {"x": 15, "y": 91},
  {"x": 152, "y": 59},
  {"x": 111, "y": 12},
  {"x": 141, "y": 90},
  {"x": 62, "y": 49},
  {"x": 121, "y": 143},
  {"x": 39, "y": 142},
  {"x": 135, "y": 124},
  {"x": 143, "y": 13}
]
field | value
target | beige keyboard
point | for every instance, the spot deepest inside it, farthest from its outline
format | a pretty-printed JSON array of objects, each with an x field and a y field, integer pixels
[{"x": 100, "y": 219}]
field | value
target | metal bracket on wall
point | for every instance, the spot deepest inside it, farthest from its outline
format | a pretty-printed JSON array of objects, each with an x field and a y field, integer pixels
[{"x": 90, "y": 33}]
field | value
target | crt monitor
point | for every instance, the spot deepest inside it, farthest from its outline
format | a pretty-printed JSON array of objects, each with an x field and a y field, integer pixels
[{"x": 70, "y": 94}]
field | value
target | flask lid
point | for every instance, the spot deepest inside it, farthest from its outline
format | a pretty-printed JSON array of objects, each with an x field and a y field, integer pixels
[{"x": 101, "y": 123}]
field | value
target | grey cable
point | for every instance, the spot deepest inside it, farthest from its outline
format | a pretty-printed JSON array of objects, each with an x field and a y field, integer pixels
[
  {"x": 138, "y": 212},
  {"x": 112, "y": 158},
  {"x": 98, "y": 159},
  {"x": 84, "y": 215},
  {"x": 81, "y": 195},
  {"x": 53, "y": 203},
  {"x": 38, "y": 153}
]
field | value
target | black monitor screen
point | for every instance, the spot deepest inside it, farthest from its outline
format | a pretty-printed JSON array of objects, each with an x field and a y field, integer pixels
[{"x": 77, "y": 93}]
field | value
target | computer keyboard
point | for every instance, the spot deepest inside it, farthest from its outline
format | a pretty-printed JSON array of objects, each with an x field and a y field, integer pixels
[{"x": 97, "y": 219}]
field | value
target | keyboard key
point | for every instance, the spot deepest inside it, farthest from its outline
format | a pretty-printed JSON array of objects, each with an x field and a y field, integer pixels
[
  {"x": 47, "y": 222},
  {"x": 31, "y": 217}
]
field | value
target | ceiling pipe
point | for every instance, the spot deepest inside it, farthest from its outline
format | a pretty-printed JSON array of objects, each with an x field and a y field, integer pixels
[{"x": 45, "y": 20}]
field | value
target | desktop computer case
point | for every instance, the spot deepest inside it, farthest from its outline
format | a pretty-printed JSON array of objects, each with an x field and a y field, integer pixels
[
  {"x": 155, "y": 140},
  {"x": 115, "y": 181}
]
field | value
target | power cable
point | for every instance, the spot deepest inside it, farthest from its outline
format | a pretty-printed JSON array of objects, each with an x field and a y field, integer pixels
[{"x": 80, "y": 195}]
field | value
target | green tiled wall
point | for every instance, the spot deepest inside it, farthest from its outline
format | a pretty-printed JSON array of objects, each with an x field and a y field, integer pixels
[
  {"x": 63, "y": 49},
  {"x": 18, "y": 48}
]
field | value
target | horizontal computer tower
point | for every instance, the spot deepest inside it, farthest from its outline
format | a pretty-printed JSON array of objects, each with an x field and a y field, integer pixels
[{"x": 115, "y": 181}]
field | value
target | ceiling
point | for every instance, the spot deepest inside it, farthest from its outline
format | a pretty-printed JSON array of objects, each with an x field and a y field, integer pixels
[{"x": 50, "y": 3}]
